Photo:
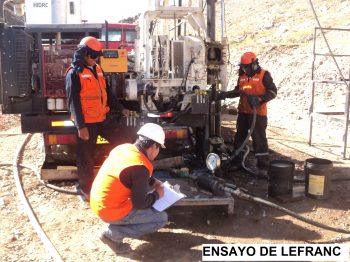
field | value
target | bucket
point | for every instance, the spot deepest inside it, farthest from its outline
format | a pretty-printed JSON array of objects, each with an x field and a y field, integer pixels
[
  {"x": 317, "y": 177},
  {"x": 281, "y": 175}
]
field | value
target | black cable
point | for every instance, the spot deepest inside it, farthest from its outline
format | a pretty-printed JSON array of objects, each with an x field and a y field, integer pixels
[
  {"x": 184, "y": 79},
  {"x": 238, "y": 193},
  {"x": 59, "y": 189},
  {"x": 28, "y": 208},
  {"x": 48, "y": 185},
  {"x": 251, "y": 129},
  {"x": 185, "y": 112}
]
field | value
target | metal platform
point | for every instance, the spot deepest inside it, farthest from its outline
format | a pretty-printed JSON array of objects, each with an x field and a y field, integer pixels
[
  {"x": 198, "y": 197},
  {"x": 194, "y": 195}
]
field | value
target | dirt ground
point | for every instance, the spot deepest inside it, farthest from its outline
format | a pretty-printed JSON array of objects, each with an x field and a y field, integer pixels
[
  {"x": 281, "y": 33},
  {"x": 74, "y": 230}
]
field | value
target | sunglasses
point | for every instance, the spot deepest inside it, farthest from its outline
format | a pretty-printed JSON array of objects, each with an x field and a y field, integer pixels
[{"x": 93, "y": 56}]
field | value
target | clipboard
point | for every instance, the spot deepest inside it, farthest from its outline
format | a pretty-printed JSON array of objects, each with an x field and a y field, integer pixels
[{"x": 170, "y": 197}]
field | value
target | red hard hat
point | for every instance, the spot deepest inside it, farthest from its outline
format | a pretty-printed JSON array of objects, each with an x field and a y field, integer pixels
[
  {"x": 92, "y": 43},
  {"x": 248, "y": 58}
]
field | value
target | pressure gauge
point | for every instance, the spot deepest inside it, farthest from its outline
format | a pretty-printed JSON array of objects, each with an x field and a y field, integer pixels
[{"x": 213, "y": 161}]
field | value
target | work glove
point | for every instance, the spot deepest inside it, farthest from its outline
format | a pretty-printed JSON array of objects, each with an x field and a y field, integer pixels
[
  {"x": 78, "y": 58},
  {"x": 254, "y": 101},
  {"x": 221, "y": 96}
]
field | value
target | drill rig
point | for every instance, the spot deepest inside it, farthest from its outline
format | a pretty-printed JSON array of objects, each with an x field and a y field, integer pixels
[
  {"x": 171, "y": 78},
  {"x": 178, "y": 68}
]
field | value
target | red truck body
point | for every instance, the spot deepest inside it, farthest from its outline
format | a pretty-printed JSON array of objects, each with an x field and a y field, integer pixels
[{"x": 119, "y": 36}]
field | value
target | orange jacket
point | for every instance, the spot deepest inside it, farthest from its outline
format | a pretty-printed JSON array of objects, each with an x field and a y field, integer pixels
[
  {"x": 109, "y": 198},
  {"x": 93, "y": 95},
  {"x": 252, "y": 86}
]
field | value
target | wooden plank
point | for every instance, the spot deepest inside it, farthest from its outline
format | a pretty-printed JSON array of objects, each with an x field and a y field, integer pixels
[
  {"x": 60, "y": 173},
  {"x": 66, "y": 173}
]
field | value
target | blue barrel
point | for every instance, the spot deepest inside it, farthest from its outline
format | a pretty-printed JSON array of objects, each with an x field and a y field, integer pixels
[
  {"x": 280, "y": 176},
  {"x": 318, "y": 177}
]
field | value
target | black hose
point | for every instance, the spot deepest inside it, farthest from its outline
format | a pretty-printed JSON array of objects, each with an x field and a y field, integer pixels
[
  {"x": 251, "y": 129},
  {"x": 238, "y": 193},
  {"x": 29, "y": 210},
  {"x": 51, "y": 186},
  {"x": 248, "y": 170},
  {"x": 238, "y": 151},
  {"x": 59, "y": 189}
]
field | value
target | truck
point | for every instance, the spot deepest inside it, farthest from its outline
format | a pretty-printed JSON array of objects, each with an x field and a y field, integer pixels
[
  {"x": 176, "y": 71},
  {"x": 118, "y": 35}
]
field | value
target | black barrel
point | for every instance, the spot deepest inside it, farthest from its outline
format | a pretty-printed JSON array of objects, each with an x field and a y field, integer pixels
[
  {"x": 281, "y": 174},
  {"x": 318, "y": 177}
]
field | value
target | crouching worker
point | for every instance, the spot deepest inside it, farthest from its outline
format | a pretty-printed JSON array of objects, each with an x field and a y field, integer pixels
[{"x": 122, "y": 195}]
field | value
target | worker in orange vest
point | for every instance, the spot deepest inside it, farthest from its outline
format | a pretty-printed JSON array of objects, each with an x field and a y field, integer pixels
[
  {"x": 124, "y": 190},
  {"x": 89, "y": 104},
  {"x": 255, "y": 87}
]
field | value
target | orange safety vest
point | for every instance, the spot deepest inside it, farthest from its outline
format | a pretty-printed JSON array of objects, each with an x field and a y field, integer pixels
[
  {"x": 109, "y": 198},
  {"x": 252, "y": 86},
  {"x": 93, "y": 95}
]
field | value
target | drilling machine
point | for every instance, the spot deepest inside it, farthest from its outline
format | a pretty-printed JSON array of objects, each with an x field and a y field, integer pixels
[{"x": 178, "y": 67}]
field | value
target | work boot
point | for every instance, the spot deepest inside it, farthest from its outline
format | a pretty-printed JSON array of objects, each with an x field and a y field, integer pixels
[
  {"x": 236, "y": 163},
  {"x": 263, "y": 162},
  {"x": 83, "y": 195},
  {"x": 263, "y": 165},
  {"x": 117, "y": 246}
]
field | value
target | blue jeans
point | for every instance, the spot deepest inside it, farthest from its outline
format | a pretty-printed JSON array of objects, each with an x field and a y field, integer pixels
[{"x": 137, "y": 223}]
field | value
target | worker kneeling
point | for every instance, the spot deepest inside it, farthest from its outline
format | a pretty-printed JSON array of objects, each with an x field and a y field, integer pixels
[{"x": 124, "y": 190}]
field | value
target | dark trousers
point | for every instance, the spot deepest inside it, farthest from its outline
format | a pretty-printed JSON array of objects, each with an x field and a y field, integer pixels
[
  {"x": 109, "y": 130},
  {"x": 260, "y": 145}
]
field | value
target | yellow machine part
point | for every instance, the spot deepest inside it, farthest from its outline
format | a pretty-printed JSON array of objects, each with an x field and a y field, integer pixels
[{"x": 114, "y": 60}]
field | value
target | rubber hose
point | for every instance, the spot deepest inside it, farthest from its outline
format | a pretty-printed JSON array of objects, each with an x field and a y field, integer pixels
[
  {"x": 48, "y": 185},
  {"x": 238, "y": 193},
  {"x": 236, "y": 153},
  {"x": 249, "y": 171},
  {"x": 28, "y": 209}
]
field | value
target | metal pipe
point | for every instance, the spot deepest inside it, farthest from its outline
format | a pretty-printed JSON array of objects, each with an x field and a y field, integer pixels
[
  {"x": 3, "y": 9},
  {"x": 222, "y": 19},
  {"x": 311, "y": 107},
  {"x": 346, "y": 124},
  {"x": 179, "y": 23},
  {"x": 346, "y": 113},
  {"x": 167, "y": 163},
  {"x": 218, "y": 118},
  {"x": 211, "y": 19},
  {"x": 212, "y": 119},
  {"x": 107, "y": 35}
]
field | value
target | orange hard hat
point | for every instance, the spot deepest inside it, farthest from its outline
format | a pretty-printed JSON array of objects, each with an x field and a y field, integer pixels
[
  {"x": 92, "y": 43},
  {"x": 248, "y": 58}
]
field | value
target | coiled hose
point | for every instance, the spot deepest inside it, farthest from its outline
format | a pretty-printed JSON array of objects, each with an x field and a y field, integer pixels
[{"x": 251, "y": 129}]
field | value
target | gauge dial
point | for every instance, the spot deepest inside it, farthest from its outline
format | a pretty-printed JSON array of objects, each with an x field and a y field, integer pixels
[{"x": 213, "y": 161}]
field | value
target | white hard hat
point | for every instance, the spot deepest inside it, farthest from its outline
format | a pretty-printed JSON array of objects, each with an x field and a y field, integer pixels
[{"x": 154, "y": 132}]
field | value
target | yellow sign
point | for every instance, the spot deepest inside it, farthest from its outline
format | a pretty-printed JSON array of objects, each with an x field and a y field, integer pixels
[{"x": 100, "y": 140}]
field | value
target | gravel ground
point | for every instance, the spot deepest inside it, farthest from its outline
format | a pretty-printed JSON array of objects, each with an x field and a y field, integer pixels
[{"x": 281, "y": 33}]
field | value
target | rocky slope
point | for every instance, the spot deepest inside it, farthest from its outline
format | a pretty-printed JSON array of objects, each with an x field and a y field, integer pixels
[{"x": 281, "y": 33}]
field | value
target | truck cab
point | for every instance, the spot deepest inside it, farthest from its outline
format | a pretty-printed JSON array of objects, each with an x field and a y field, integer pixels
[{"x": 119, "y": 36}]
